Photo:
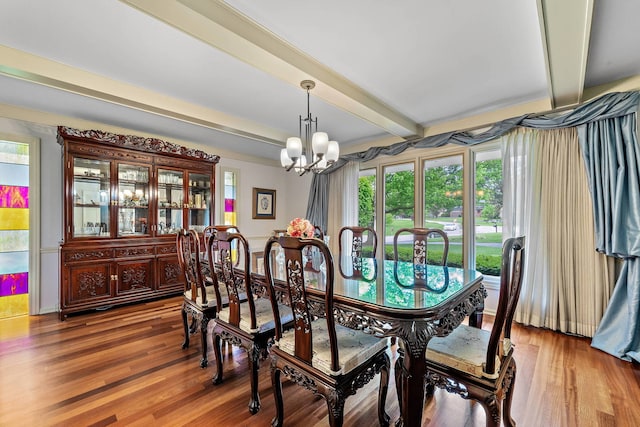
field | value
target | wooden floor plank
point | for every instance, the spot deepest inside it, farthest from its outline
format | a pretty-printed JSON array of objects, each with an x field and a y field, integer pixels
[{"x": 126, "y": 367}]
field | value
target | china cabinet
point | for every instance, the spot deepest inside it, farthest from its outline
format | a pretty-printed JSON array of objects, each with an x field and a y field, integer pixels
[{"x": 125, "y": 197}]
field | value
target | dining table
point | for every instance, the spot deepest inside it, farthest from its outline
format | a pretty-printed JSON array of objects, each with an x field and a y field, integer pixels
[{"x": 394, "y": 299}]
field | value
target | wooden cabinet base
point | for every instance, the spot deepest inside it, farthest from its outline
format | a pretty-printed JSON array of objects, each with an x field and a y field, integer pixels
[{"x": 105, "y": 274}]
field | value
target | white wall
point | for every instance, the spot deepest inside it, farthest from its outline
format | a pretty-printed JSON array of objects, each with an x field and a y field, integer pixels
[{"x": 291, "y": 200}]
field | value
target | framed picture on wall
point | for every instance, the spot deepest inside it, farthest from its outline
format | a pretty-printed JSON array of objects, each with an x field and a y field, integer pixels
[{"x": 264, "y": 203}]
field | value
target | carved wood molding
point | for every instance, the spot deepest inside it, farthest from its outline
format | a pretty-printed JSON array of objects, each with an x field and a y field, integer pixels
[{"x": 150, "y": 145}]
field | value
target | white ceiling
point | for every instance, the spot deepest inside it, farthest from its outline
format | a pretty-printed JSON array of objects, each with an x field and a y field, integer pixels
[{"x": 227, "y": 74}]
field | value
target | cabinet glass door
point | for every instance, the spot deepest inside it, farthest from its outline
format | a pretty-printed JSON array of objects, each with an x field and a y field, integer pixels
[
  {"x": 199, "y": 201},
  {"x": 133, "y": 200},
  {"x": 91, "y": 188},
  {"x": 170, "y": 201}
]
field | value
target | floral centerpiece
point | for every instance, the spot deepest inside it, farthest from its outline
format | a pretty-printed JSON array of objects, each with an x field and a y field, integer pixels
[{"x": 300, "y": 227}]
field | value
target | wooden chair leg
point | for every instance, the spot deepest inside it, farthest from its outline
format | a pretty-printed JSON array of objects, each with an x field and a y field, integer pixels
[
  {"x": 253, "y": 357},
  {"x": 491, "y": 410},
  {"x": 335, "y": 406},
  {"x": 383, "y": 417},
  {"x": 204, "y": 323},
  {"x": 277, "y": 395},
  {"x": 508, "y": 390},
  {"x": 185, "y": 343},
  {"x": 217, "y": 378}
]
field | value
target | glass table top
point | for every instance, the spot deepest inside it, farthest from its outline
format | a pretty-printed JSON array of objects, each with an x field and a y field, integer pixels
[{"x": 395, "y": 285}]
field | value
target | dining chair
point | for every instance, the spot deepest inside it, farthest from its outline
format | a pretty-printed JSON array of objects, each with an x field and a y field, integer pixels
[
  {"x": 247, "y": 320},
  {"x": 207, "y": 276},
  {"x": 478, "y": 364},
  {"x": 356, "y": 244},
  {"x": 419, "y": 239},
  {"x": 319, "y": 354},
  {"x": 198, "y": 300},
  {"x": 211, "y": 229},
  {"x": 361, "y": 241}
]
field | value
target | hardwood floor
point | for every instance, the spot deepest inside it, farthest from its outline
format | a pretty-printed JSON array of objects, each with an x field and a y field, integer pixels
[{"x": 125, "y": 366}]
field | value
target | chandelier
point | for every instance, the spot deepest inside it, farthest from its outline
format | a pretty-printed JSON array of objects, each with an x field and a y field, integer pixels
[{"x": 323, "y": 153}]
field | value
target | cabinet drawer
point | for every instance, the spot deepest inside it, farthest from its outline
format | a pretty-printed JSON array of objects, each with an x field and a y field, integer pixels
[
  {"x": 134, "y": 251},
  {"x": 87, "y": 255},
  {"x": 166, "y": 249}
]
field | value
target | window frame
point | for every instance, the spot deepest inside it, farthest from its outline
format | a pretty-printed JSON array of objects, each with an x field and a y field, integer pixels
[
  {"x": 221, "y": 191},
  {"x": 418, "y": 157}
]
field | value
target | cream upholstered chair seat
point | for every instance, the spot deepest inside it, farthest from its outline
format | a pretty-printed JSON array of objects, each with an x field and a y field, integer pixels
[
  {"x": 465, "y": 349},
  {"x": 354, "y": 347},
  {"x": 211, "y": 296},
  {"x": 264, "y": 316}
]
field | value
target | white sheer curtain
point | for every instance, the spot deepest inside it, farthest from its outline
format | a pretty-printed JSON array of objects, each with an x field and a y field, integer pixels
[
  {"x": 567, "y": 284},
  {"x": 343, "y": 206}
]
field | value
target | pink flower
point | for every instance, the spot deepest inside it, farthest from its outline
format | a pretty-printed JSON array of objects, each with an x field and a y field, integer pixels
[{"x": 299, "y": 227}]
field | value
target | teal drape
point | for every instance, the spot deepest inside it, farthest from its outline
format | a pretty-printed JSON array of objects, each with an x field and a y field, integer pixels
[
  {"x": 612, "y": 158},
  {"x": 318, "y": 204}
]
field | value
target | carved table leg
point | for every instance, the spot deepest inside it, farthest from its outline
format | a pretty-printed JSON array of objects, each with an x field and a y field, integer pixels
[
  {"x": 412, "y": 384},
  {"x": 475, "y": 318}
]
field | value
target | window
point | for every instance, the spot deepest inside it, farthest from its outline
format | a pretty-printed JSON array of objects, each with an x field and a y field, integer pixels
[
  {"x": 230, "y": 194},
  {"x": 488, "y": 212},
  {"x": 399, "y": 202},
  {"x": 367, "y": 198},
  {"x": 443, "y": 202},
  {"x": 14, "y": 229},
  {"x": 460, "y": 192}
]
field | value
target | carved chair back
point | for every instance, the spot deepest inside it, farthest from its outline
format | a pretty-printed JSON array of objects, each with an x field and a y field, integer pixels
[
  {"x": 510, "y": 285},
  {"x": 363, "y": 241},
  {"x": 419, "y": 239},
  {"x": 188, "y": 248},
  {"x": 212, "y": 229},
  {"x": 227, "y": 251}
]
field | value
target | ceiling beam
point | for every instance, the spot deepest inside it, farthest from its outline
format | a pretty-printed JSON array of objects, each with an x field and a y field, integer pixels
[
  {"x": 565, "y": 27},
  {"x": 224, "y": 28},
  {"x": 35, "y": 69}
]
